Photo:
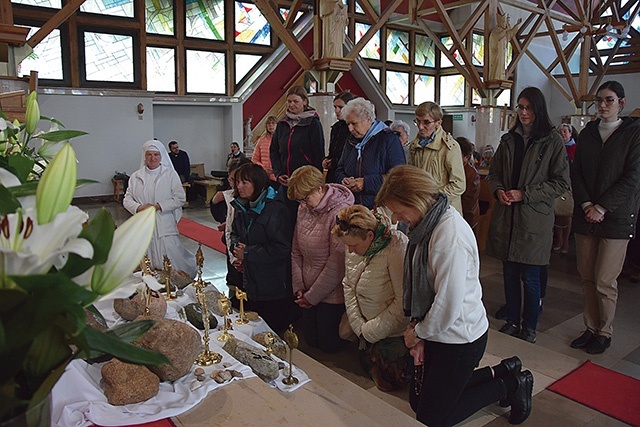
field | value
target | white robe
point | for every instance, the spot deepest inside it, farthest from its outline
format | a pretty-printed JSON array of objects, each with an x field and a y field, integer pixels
[{"x": 162, "y": 186}]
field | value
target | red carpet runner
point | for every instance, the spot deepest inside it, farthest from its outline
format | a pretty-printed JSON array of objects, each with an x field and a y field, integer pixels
[
  {"x": 604, "y": 390},
  {"x": 201, "y": 233}
]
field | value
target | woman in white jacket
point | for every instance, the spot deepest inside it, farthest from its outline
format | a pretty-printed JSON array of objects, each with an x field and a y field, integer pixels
[
  {"x": 373, "y": 293},
  {"x": 443, "y": 296},
  {"x": 157, "y": 185}
]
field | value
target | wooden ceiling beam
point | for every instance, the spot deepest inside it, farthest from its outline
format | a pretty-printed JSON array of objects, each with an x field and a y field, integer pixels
[
  {"x": 474, "y": 18},
  {"x": 294, "y": 46},
  {"x": 379, "y": 23},
  {"x": 448, "y": 6},
  {"x": 551, "y": 78},
  {"x": 532, "y": 8},
  {"x": 368, "y": 10},
  {"x": 458, "y": 43},
  {"x": 56, "y": 20},
  {"x": 568, "y": 10},
  {"x": 520, "y": 50},
  {"x": 293, "y": 11}
]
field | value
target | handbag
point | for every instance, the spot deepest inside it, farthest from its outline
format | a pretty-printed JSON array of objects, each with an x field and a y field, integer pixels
[{"x": 564, "y": 204}]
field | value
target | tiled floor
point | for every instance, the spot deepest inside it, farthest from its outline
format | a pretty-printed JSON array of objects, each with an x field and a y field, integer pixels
[{"x": 549, "y": 359}]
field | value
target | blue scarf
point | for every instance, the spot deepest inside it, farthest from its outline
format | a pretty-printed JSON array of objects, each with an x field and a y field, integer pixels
[
  {"x": 376, "y": 127},
  {"x": 570, "y": 143}
]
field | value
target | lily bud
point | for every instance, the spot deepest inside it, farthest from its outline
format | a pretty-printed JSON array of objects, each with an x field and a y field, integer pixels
[
  {"x": 130, "y": 242},
  {"x": 56, "y": 187},
  {"x": 32, "y": 115}
]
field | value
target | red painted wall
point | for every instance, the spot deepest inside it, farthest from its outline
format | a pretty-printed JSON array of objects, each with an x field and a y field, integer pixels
[{"x": 263, "y": 98}]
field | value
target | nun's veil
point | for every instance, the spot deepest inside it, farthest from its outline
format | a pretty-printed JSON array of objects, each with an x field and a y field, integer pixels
[{"x": 155, "y": 145}]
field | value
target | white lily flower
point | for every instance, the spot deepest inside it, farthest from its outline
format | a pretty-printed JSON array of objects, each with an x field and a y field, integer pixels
[
  {"x": 130, "y": 242},
  {"x": 27, "y": 248}
]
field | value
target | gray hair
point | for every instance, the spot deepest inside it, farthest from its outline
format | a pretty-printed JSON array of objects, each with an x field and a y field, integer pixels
[
  {"x": 360, "y": 107},
  {"x": 400, "y": 124}
]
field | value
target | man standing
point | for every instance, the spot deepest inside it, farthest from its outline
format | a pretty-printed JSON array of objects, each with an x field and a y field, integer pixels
[
  {"x": 435, "y": 151},
  {"x": 181, "y": 163}
]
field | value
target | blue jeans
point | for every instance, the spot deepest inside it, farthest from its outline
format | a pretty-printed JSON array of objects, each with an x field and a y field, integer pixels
[{"x": 529, "y": 275}]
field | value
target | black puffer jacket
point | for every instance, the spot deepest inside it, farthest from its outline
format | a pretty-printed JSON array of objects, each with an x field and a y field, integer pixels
[
  {"x": 608, "y": 175},
  {"x": 296, "y": 144},
  {"x": 264, "y": 227}
]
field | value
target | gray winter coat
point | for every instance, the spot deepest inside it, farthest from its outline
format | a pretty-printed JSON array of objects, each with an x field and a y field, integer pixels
[{"x": 523, "y": 232}]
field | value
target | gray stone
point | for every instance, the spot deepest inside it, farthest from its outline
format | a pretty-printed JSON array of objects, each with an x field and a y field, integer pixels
[
  {"x": 257, "y": 359},
  {"x": 279, "y": 347},
  {"x": 132, "y": 307},
  {"x": 125, "y": 383},
  {"x": 95, "y": 321},
  {"x": 178, "y": 341},
  {"x": 212, "y": 296},
  {"x": 180, "y": 279},
  {"x": 193, "y": 312}
]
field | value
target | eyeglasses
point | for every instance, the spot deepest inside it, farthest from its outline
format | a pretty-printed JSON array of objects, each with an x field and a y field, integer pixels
[
  {"x": 607, "y": 101},
  {"x": 424, "y": 123},
  {"x": 303, "y": 200},
  {"x": 524, "y": 107}
]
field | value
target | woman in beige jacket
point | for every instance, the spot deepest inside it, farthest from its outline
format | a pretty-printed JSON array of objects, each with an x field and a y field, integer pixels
[{"x": 373, "y": 293}]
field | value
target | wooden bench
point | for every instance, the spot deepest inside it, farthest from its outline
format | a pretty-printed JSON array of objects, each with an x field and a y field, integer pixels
[{"x": 211, "y": 185}]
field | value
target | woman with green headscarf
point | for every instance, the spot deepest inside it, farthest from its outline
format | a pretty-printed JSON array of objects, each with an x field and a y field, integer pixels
[{"x": 373, "y": 293}]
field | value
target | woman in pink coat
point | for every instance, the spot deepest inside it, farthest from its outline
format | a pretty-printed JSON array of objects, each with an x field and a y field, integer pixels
[{"x": 317, "y": 259}]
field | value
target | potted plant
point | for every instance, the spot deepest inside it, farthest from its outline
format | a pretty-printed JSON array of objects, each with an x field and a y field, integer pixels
[{"x": 54, "y": 265}]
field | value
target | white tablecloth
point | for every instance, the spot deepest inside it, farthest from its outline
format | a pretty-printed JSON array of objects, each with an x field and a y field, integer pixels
[{"x": 79, "y": 400}]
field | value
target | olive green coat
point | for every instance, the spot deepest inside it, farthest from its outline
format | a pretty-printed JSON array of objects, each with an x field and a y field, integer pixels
[{"x": 523, "y": 232}]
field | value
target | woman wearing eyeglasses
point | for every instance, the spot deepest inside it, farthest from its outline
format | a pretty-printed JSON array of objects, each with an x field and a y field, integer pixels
[
  {"x": 369, "y": 153},
  {"x": 317, "y": 259},
  {"x": 373, "y": 293},
  {"x": 528, "y": 171},
  {"x": 606, "y": 188}
]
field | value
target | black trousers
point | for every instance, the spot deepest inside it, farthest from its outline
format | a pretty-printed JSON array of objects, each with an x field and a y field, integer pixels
[
  {"x": 452, "y": 389},
  {"x": 278, "y": 313},
  {"x": 320, "y": 325}
]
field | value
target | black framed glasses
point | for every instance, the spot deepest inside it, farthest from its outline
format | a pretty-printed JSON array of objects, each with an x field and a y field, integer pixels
[
  {"x": 425, "y": 123},
  {"x": 303, "y": 200},
  {"x": 521, "y": 107},
  {"x": 609, "y": 100}
]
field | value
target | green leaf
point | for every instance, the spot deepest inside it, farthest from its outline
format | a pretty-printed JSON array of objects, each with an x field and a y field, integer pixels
[
  {"x": 47, "y": 351},
  {"x": 61, "y": 135},
  {"x": 22, "y": 165},
  {"x": 8, "y": 202},
  {"x": 108, "y": 344},
  {"x": 26, "y": 189},
  {"x": 99, "y": 232},
  {"x": 51, "y": 119}
]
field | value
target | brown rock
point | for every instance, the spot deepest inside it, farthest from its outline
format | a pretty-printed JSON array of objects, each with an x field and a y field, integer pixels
[
  {"x": 180, "y": 279},
  {"x": 179, "y": 342},
  {"x": 132, "y": 307},
  {"x": 125, "y": 383},
  {"x": 279, "y": 347},
  {"x": 95, "y": 321}
]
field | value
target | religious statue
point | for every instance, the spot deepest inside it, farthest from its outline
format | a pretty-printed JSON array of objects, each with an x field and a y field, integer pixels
[
  {"x": 498, "y": 39},
  {"x": 333, "y": 14}
]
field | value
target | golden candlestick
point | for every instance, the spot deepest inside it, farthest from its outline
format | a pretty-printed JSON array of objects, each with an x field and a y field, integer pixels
[
  {"x": 207, "y": 357},
  {"x": 242, "y": 297},
  {"x": 167, "y": 279},
  {"x": 145, "y": 293},
  {"x": 225, "y": 308},
  {"x": 145, "y": 266},
  {"x": 291, "y": 339},
  {"x": 269, "y": 341}
]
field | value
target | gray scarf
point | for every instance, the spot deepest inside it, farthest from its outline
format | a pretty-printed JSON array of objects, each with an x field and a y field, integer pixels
[{"x": 417, "y": 294}]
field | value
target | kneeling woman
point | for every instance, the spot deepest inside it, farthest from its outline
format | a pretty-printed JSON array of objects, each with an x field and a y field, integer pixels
[
  {"x": 442, "y": 293},
  {"x": 261, "y": 235},
  {"x": 373, "y": 293}
]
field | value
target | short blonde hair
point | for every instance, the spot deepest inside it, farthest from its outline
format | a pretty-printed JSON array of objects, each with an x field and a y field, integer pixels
[
  {"x": 355, "y": 220},
  {"x": 303, "y": 181},
  {"x": 430, "y": 108},
  {"x": 409, "y": 186}
]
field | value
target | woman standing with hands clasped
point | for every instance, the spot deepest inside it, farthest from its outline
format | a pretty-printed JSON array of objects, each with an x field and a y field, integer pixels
[
  {"x": 606, "y": 186},
  {"x": 443, "y": 297}
]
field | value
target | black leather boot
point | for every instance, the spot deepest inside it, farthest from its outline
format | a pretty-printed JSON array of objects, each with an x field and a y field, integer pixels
[{"x": 521, "y": 398}]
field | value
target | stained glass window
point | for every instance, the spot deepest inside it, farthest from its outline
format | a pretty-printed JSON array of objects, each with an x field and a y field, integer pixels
[
  {"x": 425, "y": 54},
  {"x": 244, "y": 64},
  {"x": 397, "y": 87},
  {"x": 206, "y": 72},
  {"x": 444, "y": 61},
  {"x": 55, "y": 4},
  {"x": 359, "y": 8},
  {"x": 46, "y": 57},
  {"x": 205, "y": 19},
  {"x": 398, "y": 46},
  {"x": 475, "y": 97},
  {"x": 424, "y": 89},
  {"x": 159, "y": 16},
  {"x": 285, "y": 14},
  {"x": 452, "y": 90},
  {"x": 372, "y": 48},
  {"x": 376, "y": 73},
  {"x": 108, "y": 57},
  {"x": 251, "y": 25},
  {"x": 109, "y": 7},
  {"x": 477, "y": 53},
  {"x": 161, "y": 69}
]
